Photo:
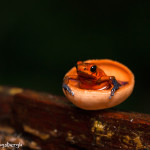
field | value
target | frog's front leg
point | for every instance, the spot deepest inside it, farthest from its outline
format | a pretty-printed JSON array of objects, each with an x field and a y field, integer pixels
[
  {"x": 65, "y": 85},
  {"x": 116, "y": 86},
  {"x": 112, "y": 81},
  {"x": 67, "y": 88}
]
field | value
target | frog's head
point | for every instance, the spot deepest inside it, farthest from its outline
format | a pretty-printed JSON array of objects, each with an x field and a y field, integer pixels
[{"x": 87, "y": 70}]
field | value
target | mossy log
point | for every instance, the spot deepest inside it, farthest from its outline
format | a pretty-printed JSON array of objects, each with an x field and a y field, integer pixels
[{"x": 53, "y": 123}]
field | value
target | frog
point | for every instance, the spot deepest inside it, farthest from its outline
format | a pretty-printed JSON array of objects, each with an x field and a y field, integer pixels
[{"x": 91, "y": 77}]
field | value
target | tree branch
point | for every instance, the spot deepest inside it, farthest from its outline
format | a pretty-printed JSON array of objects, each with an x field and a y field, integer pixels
[{"x": 54, "y": 123}]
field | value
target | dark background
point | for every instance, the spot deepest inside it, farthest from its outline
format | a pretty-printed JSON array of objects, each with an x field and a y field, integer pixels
[{"x": 41, "y": 40}]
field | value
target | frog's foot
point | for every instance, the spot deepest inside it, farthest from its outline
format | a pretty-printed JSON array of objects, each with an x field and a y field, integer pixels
[
  {"x": 116, "y": 87},
  {"x": 122, "y": 83},
  {"x": 67, "y": 88}
]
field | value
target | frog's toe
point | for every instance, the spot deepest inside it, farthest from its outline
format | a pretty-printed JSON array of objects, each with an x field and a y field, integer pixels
[
  {"x": 67, "y": 88},
  {"x": 113, "y": 91}
]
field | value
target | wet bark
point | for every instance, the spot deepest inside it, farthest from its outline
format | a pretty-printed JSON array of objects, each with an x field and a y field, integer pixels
[{"x": 53, "y": 123}]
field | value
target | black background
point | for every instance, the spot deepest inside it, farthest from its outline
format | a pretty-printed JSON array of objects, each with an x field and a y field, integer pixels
[{"x": 41, "y": 40}]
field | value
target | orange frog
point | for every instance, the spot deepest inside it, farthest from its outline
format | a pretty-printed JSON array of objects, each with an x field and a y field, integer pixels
[{"x": 91, "y": 77}]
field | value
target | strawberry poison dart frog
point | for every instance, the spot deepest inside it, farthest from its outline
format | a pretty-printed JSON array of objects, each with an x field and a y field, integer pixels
[{"x": 92, "y": 77}]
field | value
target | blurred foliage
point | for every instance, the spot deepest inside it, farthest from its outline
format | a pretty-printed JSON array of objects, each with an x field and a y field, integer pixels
[{"x": 41, "y": 40}]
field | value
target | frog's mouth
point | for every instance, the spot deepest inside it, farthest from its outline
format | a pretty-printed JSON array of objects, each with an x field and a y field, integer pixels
[{"x": 85, "y": 75}]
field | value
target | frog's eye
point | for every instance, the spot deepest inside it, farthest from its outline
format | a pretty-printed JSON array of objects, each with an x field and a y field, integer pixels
[{"x": 93, "y": 68}]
